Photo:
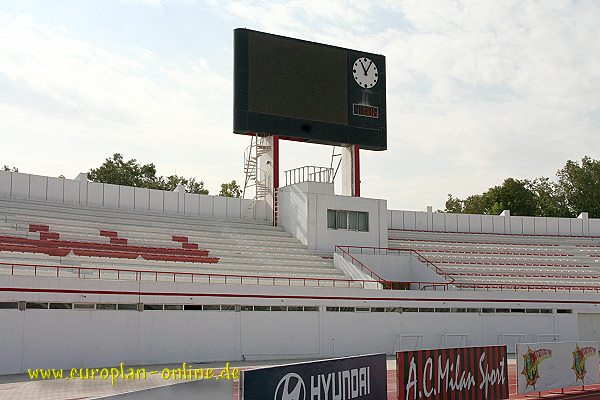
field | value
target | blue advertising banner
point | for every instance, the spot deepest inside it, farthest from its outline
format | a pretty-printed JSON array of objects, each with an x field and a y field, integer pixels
[{"x": 360, "y": 378}]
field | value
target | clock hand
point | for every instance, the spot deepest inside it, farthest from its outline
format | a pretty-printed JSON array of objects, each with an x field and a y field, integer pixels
[
  {"x": 363, "y": 66},
  {"x": 369, "y": 67}
]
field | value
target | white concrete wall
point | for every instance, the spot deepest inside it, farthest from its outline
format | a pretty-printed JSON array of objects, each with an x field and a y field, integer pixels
[
  {"x": 349, "y": 269},
  {"x": 402, "y": 267},
  {"x": 303, "y": 213},
  {"x": 76, "y": 338},
  {"x": 68, "y": 191},
  {"x": 476, "y": 223},
  {"x": 187, "y": 390}
]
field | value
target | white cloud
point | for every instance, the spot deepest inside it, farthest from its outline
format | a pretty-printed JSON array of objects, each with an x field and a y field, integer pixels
[
  {"x": 477, "y": 91},
  {"x": 151, "y": 3},
  {"x": 82, "y": 103}
]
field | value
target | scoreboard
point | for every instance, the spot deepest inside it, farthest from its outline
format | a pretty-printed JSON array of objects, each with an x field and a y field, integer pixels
[{"x": 308, "y": 91}]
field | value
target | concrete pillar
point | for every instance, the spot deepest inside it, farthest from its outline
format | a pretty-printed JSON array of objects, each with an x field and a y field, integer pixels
[
  {"x": 82, "y": 176},
  {"x": 266, "y": 169},
  {"x": 350, "y": 171},
  {"x": 429, "y": 217},
  {"x": 586, "y": 223},
  {"x": 506, "y": 215}
]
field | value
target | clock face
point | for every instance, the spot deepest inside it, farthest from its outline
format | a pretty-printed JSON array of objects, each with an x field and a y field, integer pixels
[{"x": 365, "y": 72}]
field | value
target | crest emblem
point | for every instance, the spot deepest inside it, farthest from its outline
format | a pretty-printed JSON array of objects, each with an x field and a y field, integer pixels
[
  {"x": 531, "y": 362},
  {"x": 580, "y": 355}
]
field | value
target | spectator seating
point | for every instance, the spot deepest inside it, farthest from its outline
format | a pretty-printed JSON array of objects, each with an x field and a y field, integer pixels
[
  {"x": 71, "y": 235},
  {"x": 500, "y": 258}
]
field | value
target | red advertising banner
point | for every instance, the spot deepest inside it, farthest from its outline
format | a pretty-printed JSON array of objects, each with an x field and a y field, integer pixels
[{"x": 454, "y": 374}]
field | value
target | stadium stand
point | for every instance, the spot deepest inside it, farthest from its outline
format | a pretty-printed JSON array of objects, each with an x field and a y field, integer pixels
[
  {"x": 482, "y": 258},
  {"x": 105, "y": 273},
  {"x": 48, "y": 234}
]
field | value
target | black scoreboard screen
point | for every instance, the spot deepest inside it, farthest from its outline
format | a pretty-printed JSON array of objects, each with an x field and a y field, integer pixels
[{"x": 308, "y": 91}]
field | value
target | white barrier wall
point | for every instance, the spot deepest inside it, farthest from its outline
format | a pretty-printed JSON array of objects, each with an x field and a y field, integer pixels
[
  {"x": 555, "y": 365},
  {"x": 476, "y": 223},
  {"x": 402, "y": 267},
  {"x": 69, "y": 191},
  {"x": 303, "y": 213},
  {"x": 53, "y": 338}
]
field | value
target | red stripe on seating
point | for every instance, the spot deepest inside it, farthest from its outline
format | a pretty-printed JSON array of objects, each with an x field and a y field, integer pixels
[
  {"x": 163, "y": 257},
  {"x": 49, "y": 235},
  {"x": 192, "y": 246},
  {"x": 116, "y": 240},
  {"x": 34, "y": 249},
  {"x": 498, "y": 234},
  {"x": 180, "y": 239},
  {"x": 105, "y": 233},
  {"x": 475, "y": 242},
  {"x": 38, "y": 228},
  {"x": 108, "y": 254},
  {"x": 70, "y": 244}
]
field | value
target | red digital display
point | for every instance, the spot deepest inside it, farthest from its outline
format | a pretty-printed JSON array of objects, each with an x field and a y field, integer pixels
[{"x": 365, "y": 111}]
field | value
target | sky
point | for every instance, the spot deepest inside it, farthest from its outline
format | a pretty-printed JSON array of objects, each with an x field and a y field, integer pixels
[{"x": 477, "y": 91}]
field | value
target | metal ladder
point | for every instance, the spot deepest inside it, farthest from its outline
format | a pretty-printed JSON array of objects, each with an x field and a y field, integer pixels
[{"x": 255, "y": 177}]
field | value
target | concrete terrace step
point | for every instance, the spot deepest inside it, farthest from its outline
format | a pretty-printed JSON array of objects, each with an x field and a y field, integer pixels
[
  {"x": 219, "y": 247},
  {"x": 513, "y": 259},
  {"x": 243, "y": 247},
  {"x": 496, "y": 238},
  {"x": 158, "y": 266},
  {"x": 433, "y": 257},
  {"x": 68, "y": 209},
  {"x": 528, "y": 281},
  {"x": 115, "y": 224},
  {"x": 420, "y": 245},
  {"x": 152, "y": 238}
]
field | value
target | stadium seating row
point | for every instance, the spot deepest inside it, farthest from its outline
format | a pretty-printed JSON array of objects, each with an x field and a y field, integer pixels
[
  {"x": 501, "y": 258},
  {"x": 164, "y": 242}
]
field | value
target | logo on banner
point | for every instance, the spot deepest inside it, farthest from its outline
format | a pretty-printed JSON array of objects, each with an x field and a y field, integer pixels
[
  {"x": 453, "y": 373},
  {"x": 580, "y": 355},
  {"x": 290, "y": 387},
  {"x": 531, "y": 362}
]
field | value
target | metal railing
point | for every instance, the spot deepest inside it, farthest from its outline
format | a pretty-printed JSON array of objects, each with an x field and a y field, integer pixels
[
  {"x": 349, "y": 257},
  {"x": 502, "y": 287},
  {"x": 308, "y": 173},
  {"x": 398, "y": 251},
  {"x": 63, "y": 271},
  {"x": 67, "y": 271}
]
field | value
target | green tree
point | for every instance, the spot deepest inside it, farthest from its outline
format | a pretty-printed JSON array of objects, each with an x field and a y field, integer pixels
[
  {"x": 580, "y": 186},
  {"x": 513, "y": 195},
  {"x": 550, "y": 198},
  {"x": 476, "y": 204},
  {"x": 7, "y": 168},
  {"x": 117, "y": 171},
  {"x": 577, "y": 189},
  {"x": 454, "y": 205},
  {"x": 191, "y": 185},
  {"x": 231, "y": 189}
]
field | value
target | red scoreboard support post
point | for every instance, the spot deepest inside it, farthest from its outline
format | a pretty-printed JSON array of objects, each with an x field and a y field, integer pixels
[
  {"x": 275, "y": 179},
  {"x": 356, "y": 192}
]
